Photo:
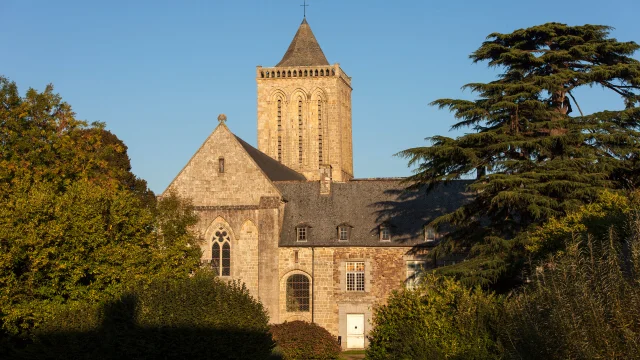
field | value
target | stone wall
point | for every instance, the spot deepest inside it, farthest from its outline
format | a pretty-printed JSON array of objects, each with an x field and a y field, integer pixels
[
  {"x": 242, "y": 183},
  {"x": 334, "y": 93},
  {"x": 385, "y": 270}
]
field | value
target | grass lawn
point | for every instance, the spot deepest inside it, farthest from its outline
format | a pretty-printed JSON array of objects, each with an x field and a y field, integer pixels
[{"x": 351, "y": 355}]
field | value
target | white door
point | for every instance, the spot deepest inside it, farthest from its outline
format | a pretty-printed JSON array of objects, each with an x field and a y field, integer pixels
[{"x": 355, "y": 331}]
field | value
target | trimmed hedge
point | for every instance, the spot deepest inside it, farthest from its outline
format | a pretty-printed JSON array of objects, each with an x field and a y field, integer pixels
[
  {"x": 196, "y": 318},
  {"x": 302, "y": 340}
]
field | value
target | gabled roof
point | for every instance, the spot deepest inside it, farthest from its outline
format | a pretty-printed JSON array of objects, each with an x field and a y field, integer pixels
[
  {"x": 365, "y": 205},
  {"x": 304, "y": 49},
  {"x": 274, "y": 170}
]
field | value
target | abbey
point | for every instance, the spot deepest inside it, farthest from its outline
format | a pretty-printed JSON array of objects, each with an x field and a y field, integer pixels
[{"x": 289, "y": 219}]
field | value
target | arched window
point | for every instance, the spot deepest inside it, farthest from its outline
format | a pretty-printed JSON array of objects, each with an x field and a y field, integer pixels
[
  {"x": 298, "y": 293},
  {"x": 295, "y": 73},
  {"x": 221, "y": 252},
  {"x": 262, "y": 74},
  {"x": 289, "y": 73},
  {"x": 316, "y": 72},
  {"x": 278, "y": 73},
  {"x": 305, "y": 73},
  {"x": 321, "y": 72}
]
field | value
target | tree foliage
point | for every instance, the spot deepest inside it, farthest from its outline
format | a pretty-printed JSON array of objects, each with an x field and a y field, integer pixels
[
  {"x": 583, "y": 302},
  {"x": 534, "y": 153},
  {"x": 199, "y": 317},
  {"x": 441, "y": 320},
  {"x": 303, "y": 340},
  {"x": 75, "y": 223}
]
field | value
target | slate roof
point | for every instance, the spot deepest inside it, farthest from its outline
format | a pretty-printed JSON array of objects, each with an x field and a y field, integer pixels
[
  {"x": 364, "y": 205},
  {"x": 274, "y": 170},
  {"x": 304, "y": 49}
]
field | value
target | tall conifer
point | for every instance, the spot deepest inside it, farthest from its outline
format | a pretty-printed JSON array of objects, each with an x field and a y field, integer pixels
[{"x": 532, "y": 150}]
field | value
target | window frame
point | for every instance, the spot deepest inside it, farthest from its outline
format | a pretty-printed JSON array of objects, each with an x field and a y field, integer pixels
[
  {"x": 426, "y": 230},
  {"x": 298, "y": 299},
  {"x": 346, "y": 230},
  {"x": 221, "y": 263},
  {"x": 221, "y": 165},
  {"x": 302, "y": 233},
  {"x": 411, "y": 279},
  {"x": 385, "y": 229},
  {"x": 357, "y": 272}
]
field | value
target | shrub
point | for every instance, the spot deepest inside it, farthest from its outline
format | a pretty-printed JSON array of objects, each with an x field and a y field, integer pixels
[
  {"x": 303, "y": 340},
  {"x": 441, "y": 320},
  {"x": 583, "y": 304},
  {"x": 196, "y": 318}
]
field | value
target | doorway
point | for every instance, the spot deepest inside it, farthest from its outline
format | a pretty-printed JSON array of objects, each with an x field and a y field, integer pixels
[{"x": 355, "y": 331}]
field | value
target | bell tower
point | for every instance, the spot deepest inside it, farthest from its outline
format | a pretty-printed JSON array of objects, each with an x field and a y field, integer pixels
[{"x": 304, "y": 111}]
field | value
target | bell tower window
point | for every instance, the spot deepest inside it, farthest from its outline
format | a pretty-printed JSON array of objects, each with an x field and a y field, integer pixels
[
  {"x": 300, "y": 132},
  {"x": 279, "y": 130},
  {"x": 320, "y": 132}
]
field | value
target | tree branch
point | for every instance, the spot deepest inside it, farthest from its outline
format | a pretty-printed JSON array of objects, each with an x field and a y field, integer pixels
[{"x": 575, "y": 102}]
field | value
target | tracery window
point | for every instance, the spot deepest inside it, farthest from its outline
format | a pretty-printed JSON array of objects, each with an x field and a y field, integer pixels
[
  {"x": 298, "y": 293},
  {"x": 221, "y": 252}
]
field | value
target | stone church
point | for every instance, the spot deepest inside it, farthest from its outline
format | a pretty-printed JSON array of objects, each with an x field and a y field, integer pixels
[{"x": 290, "y": 220}]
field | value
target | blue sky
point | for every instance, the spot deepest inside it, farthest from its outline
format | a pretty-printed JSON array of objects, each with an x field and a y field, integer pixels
[{"x": 159, "y": 72}]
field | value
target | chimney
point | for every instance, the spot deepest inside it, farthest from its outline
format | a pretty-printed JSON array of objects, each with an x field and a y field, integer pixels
[{"x": 325, "y": 179}]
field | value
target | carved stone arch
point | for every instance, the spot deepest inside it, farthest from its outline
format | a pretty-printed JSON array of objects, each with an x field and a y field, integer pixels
[
  {"x": 278, "y": 93},
  {"x": 318, "y": 94},
  {"x": 299, "y": 92}
]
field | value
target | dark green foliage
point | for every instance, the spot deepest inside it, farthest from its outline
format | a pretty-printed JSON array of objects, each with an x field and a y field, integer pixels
[
  {"x": 442, "y": 320},
  {"x": 298, "y": 340},
  {"x": 195, "y": 318},
  {"x": 534, "y": 153},
  {"x": 583, "y": 304}
]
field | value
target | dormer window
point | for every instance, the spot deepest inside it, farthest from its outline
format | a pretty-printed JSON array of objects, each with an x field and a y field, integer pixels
[
  {"x": 429, "y": 234},
  {"x": 344, "y": 232},
  {"x": 302, "y": 234},
  {"x": 385, "y": 233},
  {"x": 221, "y": 165}
]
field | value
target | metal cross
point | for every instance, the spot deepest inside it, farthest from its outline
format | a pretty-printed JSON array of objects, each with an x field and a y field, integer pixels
[{"x": 304, "y": 6}]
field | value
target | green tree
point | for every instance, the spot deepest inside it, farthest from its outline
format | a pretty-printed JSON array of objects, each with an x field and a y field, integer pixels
[
  {"x": 441, "y": 320},
  {"x": 75, "y": 223},
  {"x": 534, "y": 153}
]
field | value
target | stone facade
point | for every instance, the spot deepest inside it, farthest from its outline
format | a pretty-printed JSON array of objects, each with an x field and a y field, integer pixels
[
  {"x": 304, "y": 119},
  {"x": 253, "y": 201}
]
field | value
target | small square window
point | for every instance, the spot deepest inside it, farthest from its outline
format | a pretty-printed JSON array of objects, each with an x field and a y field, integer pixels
[
  {"x": 429, "y": 234},
  {"x": 343, "y": 233},
  {"x": 301, "y": 234},
  {"x": 385, "y": 233}
]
